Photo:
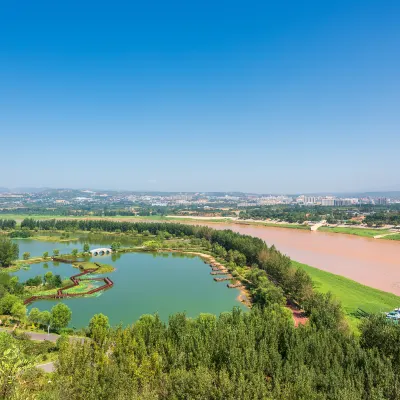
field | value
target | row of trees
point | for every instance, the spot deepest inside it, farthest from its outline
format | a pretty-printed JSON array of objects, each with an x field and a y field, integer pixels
[
  {"x": 9, "y": 251},
  {"x": 7, "y": 224},
  {"x": 50, "y": 280},
  {"x": 389, "y": 217},
  {"x": 58, "y": 318},
  {"x": 378, "y": 215},
  {"x": 253, "y": 355}
]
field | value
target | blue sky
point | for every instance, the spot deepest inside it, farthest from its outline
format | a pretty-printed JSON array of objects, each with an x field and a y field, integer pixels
[{"x": 260, "y": 96}]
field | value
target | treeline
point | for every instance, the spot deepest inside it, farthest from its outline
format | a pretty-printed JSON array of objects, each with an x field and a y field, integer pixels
[
  {"x": 7, "y": 224},
  {"x": 378, "y": 215},
  {"x": 254, "y": 355},
  {"x": 391, "y": 217},
  {"x": 295, "y": 213}
]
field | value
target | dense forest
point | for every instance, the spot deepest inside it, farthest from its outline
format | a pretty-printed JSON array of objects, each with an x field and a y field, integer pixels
[{"x": 253, "y": 355}]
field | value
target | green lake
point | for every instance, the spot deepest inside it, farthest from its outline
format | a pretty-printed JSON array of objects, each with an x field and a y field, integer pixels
[{"x": 144, "y": 283}]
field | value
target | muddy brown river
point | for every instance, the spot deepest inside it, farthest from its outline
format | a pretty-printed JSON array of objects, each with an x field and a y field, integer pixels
[{"x": 372, "y": 262}]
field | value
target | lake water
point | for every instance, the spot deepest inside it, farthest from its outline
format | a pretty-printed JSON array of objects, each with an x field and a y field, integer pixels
[{"x": 163, "y": 283}]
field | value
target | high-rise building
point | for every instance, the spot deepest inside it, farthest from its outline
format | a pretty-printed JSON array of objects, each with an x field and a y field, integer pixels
[
  {"x": 310, "y": 200},
  {"x": 329, "y": 202}
]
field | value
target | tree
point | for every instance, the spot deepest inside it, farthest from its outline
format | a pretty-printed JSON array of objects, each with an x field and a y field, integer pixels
[
  {"x": 86, "y": 248},
  {"x": 56, "y": 252},
  {"x": 98, "y": 328},
  {"x": 45, "y": 254},
  {"x": 12, "y": 363},
  {"x": 74, "y": 252},
  {"x": 60, "y": 316},
  {"x": 18, "y": 310},
  {"x": 151, "y": 245},
  {"x": 45, "y": 318},
  {"x": 26, "y": 255},
  {"x": 56, "y": 281},
  {"x": 7, "y": 302},
  {"x": 34, "y": 315},
  {"x": 48, "y": 277},
  {"x": 115, "y": 246},
  {"x": 9, "y": 251}
]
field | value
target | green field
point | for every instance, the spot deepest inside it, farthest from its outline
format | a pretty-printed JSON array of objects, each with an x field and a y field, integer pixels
[
  {"x": 352, "y": 295},
  {"x": 396, "y": 236},
  {"x": 355, "y": 231},
  {"x": 290, "y": 226}
]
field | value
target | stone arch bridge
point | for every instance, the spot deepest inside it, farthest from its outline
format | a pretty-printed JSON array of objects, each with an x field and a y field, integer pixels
[{"x": 100, "y": 251}]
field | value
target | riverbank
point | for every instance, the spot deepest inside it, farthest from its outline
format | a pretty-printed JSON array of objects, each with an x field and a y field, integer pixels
[
  {"x": 354, "y": 297},
  {"x": 363, "y": 232},
  {"x": 379, "y": 233}
]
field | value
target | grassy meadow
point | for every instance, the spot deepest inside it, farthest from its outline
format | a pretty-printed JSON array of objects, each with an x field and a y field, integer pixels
[
  {"x": 365, "y": 232},
  {"x": 352, "y": 295}
]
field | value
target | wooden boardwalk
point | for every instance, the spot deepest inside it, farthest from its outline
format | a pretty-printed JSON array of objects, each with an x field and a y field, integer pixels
[{"x": 61, "y": 294}]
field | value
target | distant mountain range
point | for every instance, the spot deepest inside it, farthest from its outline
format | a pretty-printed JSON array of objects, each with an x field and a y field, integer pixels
[
  {"x": 22, "y": 190},
  {"x": 394, "y": 193}
]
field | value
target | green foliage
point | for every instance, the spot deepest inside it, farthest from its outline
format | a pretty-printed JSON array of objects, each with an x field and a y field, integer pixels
[
  {"x": 56, "y": 252},
  {"x": 34, "y": 315},
  {"x": 254, "y": 355},
  {"x": 36, "y": 281},
  {"x": 7, "y": 224},
  {"x": 18, "y": 310},
  {"x": 86, "y": 247},
  {"x": 60, "y": 316},
  {"x": 12, "y": 363},
  {"x": 9, "y": 251},
  {"x": 26, "y": 255},
  {"x": 7, "y": 302},
  {"x": 74, "y": 252},
  {"x": 115, "y": 246},
  {"x": 45, "y": 254},
  {"x": 45, "y": 318},
  {"x": 29, "y": 223},
  {"x": 151, "y": 245},
  {"x": 20, "y": 234},
  {"x": 52, "y": 281},
  {"x": 99, "y": 328}
]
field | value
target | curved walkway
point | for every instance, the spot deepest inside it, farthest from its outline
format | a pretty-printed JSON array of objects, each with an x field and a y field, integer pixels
[{"x": 108, "y": 283}]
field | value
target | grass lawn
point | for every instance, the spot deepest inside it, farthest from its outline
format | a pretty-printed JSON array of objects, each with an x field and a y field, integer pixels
[
  {"x": 58, "y": 239},
  {"x": 396, "y": 236},
  {"x": 91, "y": 265},
  {"x": 352, "y": 295},
  {"x": 290, "y": 226},
  {"x": 355, "y": 231}
]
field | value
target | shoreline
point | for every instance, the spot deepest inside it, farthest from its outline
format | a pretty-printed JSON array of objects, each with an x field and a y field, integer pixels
[{"x": 211, "y": 220}]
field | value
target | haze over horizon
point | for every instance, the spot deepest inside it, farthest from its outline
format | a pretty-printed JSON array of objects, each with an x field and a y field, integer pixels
[{"x": 264, "y": 98}]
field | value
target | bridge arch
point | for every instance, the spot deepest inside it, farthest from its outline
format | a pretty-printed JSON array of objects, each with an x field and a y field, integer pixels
[{"x": 100, "y": 251}]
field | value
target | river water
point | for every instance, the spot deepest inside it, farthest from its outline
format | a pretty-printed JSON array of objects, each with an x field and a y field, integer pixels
[{"x": 372, "y": 262}]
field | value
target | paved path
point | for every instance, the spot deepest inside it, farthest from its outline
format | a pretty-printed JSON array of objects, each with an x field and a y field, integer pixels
[
  {"x": 384, "y": 235},
  {"x": 316, "y": 226},
  {"x": 48, "y": 367},
  {"x": 36, "y": 336}
]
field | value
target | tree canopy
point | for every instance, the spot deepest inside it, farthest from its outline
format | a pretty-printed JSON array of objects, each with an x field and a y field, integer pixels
[{"x": 9, "y": 251}]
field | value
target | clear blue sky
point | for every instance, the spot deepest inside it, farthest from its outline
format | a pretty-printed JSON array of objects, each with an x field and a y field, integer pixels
[{"x": 262, "y": 96}]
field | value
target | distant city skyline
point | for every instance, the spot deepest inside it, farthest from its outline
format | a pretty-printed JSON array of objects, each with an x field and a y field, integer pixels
[
  {"x": 373, "y": 193},
  {"x": 267, "y": 97}
]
